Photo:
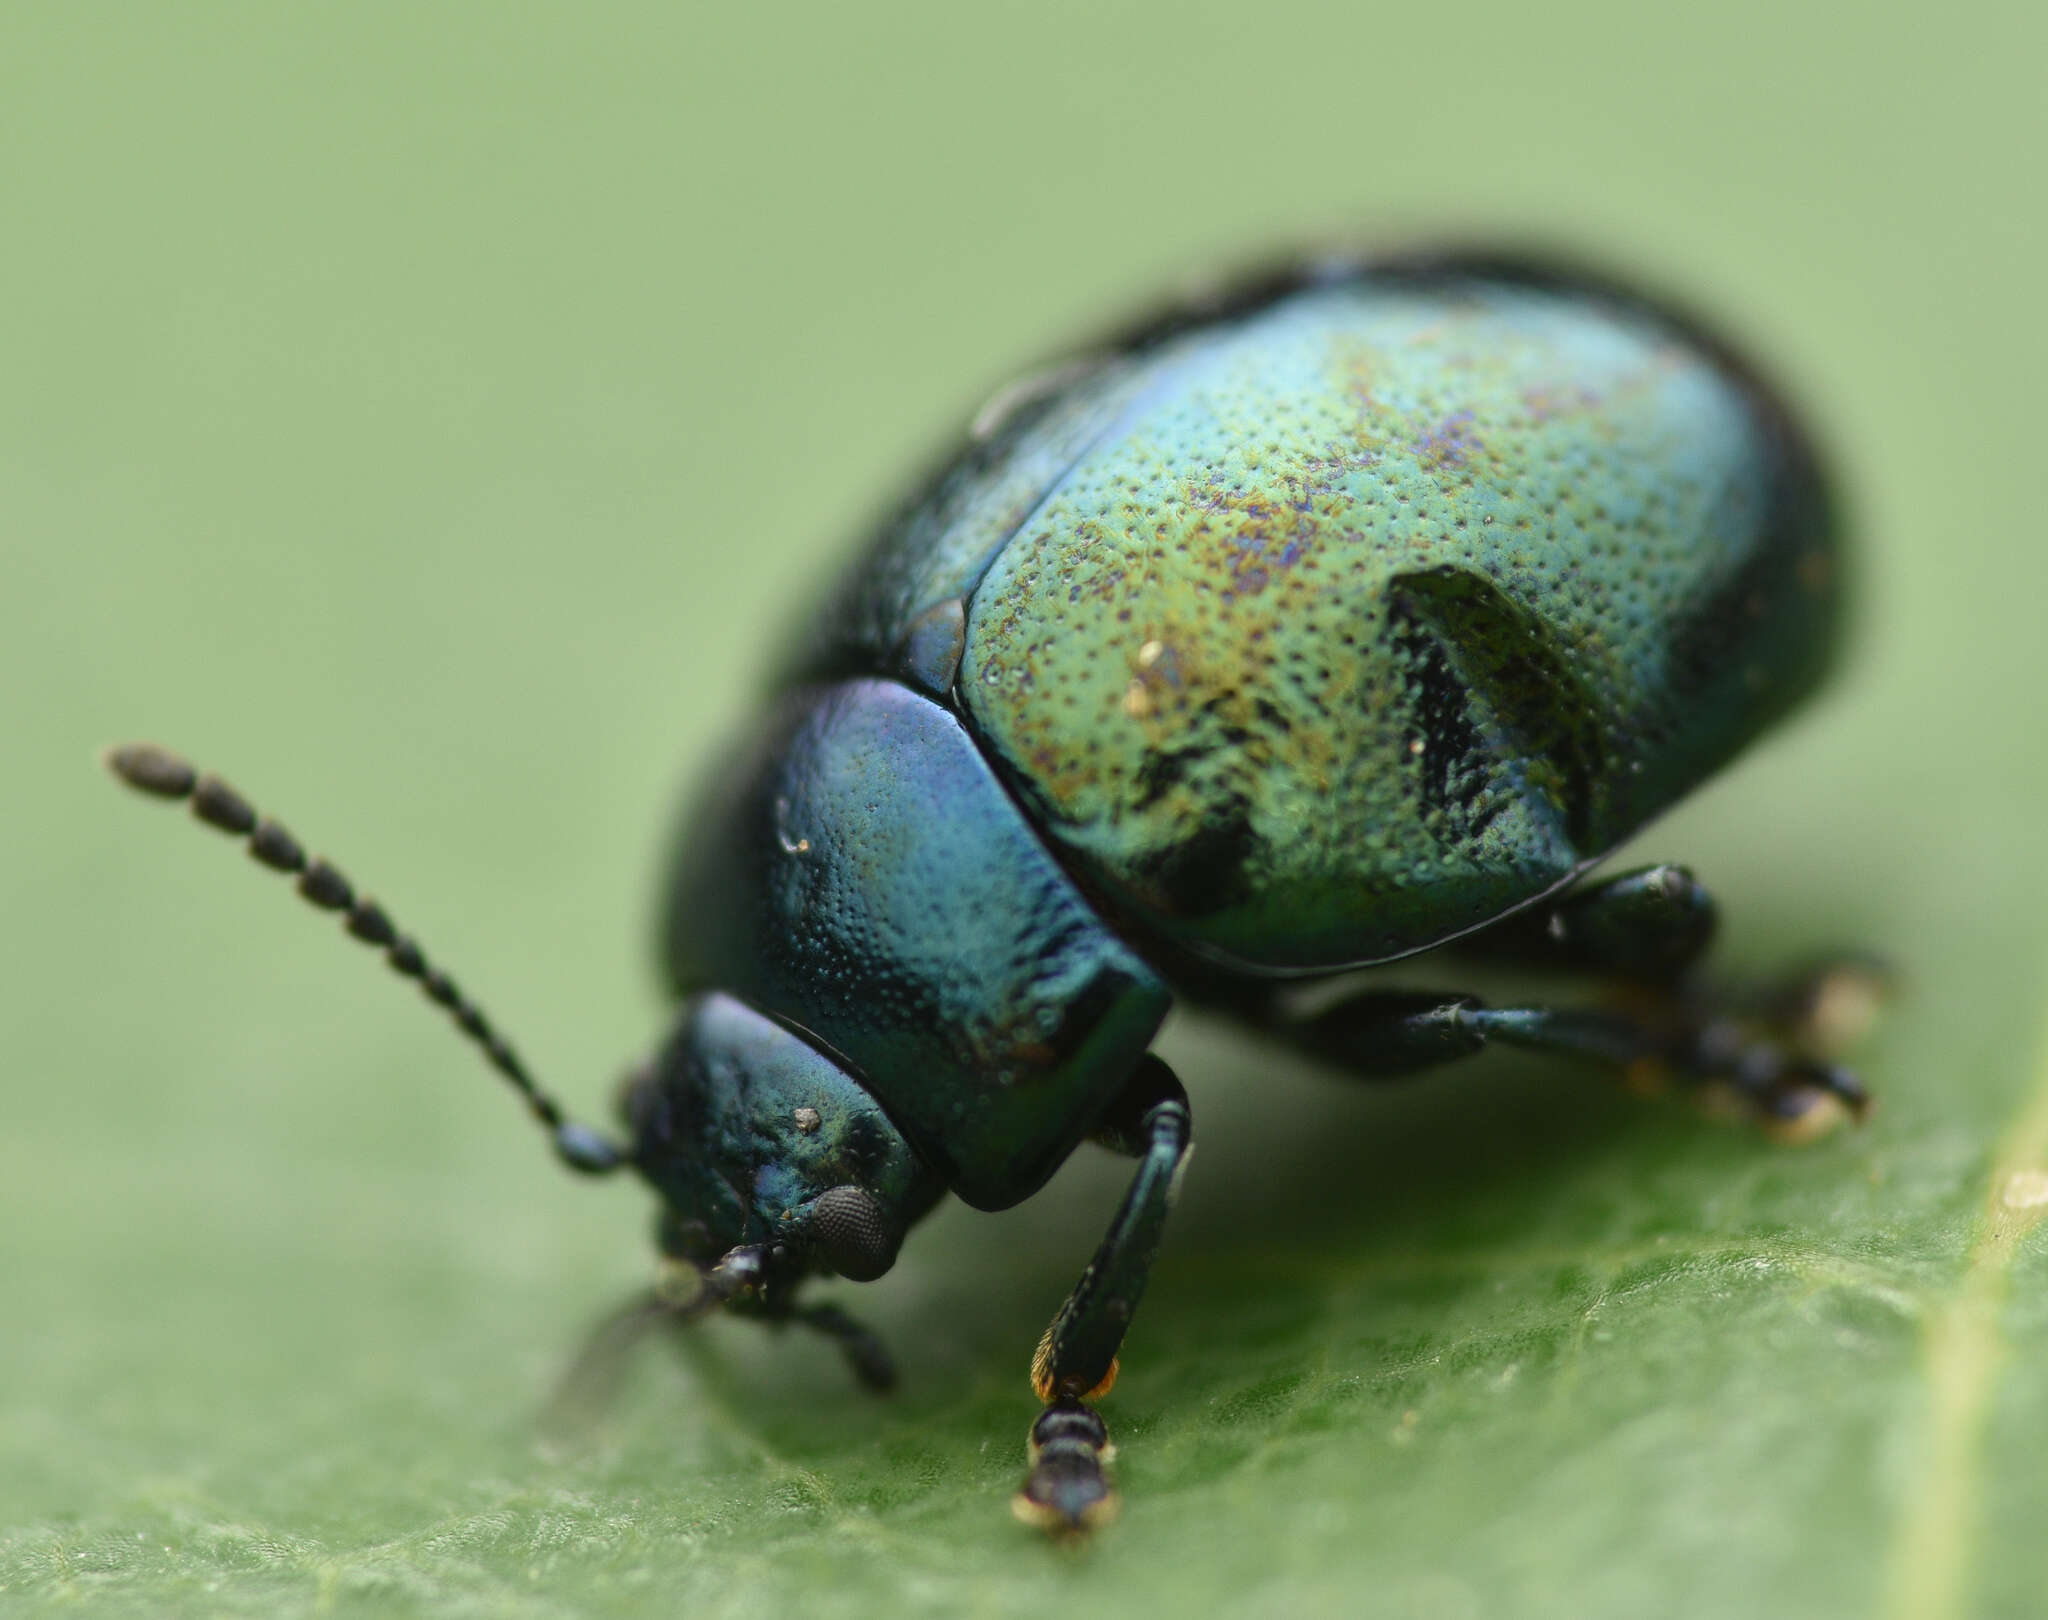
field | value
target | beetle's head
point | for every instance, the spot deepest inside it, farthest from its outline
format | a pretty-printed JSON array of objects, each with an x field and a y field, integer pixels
[{"x": 754, "y": 1138}]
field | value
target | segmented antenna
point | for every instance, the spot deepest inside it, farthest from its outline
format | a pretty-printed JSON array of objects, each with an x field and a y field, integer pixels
[{"x": 163, "y": 775}]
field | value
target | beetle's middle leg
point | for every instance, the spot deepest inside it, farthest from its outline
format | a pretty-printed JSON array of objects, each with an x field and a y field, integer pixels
[
  {"x": 1067, "y": 1489},
  {"x": 1638, "y": 936}
]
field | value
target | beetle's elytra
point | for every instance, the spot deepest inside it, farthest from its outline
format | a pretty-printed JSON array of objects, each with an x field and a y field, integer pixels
[{"x": 1352, "y": 615}]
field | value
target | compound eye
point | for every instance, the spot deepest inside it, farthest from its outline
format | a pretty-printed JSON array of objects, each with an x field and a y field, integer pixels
[{"x": 850, "y": 1234}]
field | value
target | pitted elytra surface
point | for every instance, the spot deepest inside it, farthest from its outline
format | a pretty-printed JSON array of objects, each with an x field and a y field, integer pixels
[
  {"x": 934, "y": 547},
  {"x": 1331, "y": 648}
]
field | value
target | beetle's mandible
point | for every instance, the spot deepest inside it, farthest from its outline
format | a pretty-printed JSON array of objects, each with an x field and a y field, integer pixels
[{"x": 1353, "y": 613}]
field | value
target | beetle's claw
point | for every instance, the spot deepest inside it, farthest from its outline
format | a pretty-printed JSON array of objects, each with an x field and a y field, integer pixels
[
  {"x": 1830, "y": 1008},
  {"x": 1769, "y": 1053},
  {"x": 1843, "y": 1085},
  {"x": 1792, "y": 1099},
  {"x": 1068, "y": 1498},
  {"x": 1798, "y": 1114},
  {"x": 1067, "y": 1493}
]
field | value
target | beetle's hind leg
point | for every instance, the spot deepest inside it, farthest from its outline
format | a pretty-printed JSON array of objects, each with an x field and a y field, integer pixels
[
  {"x": 1649, "y": 926},
  {"x": 1067, "y": 1490},
  {"x": 1772, "y": 1048},
  {"x": 1384, "y": 1034},
  {"x": 1646, "y": 930},
  {"x": 1640, "y": 935}
]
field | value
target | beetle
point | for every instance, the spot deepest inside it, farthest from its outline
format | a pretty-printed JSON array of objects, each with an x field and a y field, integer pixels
[{"x": 1356, "y": 611}]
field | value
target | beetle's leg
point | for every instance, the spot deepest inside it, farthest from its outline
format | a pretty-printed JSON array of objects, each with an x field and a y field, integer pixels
[
  {"x": 1648, "y": 926},
  {"x": 680, "y": 1295},
  {"x": 1150, "y": 1121},
  {"x": 592, "y": 1381},
  {"x": 866, "y": 1355},
  {"x": 1646, "y": 1037},
  {"x": 1824, "y": 1009},
  {"x": 1067, "y": 1489}
]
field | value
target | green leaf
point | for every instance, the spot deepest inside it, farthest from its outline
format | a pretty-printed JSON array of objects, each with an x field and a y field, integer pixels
[{"x": 428, "y": 417}]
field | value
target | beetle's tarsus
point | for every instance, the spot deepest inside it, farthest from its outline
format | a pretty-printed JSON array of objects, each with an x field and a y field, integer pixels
[
  {"x": 1789, "y": 1096},
  {"x": 1830, "y": 1007},
  {"x": 1067, "y": 1492},
  {"x": 1773, "y": 1049}
]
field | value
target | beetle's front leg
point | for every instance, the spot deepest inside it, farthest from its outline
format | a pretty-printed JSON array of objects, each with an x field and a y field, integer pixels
[
  {"x": 867, "y": 1358},
  {"x": 681, "y": 1294},
  {"x": 1068, "y": 1489}
]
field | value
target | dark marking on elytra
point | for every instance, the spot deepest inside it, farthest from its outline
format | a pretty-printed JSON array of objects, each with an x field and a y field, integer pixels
[
  {"x": 1164, "y": 770},
  {"x": 1208, "y": 871},
  {"x": 1496, "y": 691}
]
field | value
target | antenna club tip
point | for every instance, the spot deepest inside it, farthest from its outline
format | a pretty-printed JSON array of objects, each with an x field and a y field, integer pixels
[
  {"x": 582, "y": 1149},
  {"x": 150, "y": 769}
]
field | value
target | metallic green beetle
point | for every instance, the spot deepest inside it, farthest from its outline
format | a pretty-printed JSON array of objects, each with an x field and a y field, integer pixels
[{"x": 1352, "y": 614}]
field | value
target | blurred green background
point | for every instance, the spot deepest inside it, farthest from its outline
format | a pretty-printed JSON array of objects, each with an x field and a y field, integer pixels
[{"x": 429, "y": 415}]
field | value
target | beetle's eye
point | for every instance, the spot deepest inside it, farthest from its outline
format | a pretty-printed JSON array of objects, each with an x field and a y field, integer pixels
[{"x": 851, "y": 1236}]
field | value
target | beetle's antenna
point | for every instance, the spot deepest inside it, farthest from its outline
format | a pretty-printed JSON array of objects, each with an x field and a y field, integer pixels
[{"x": 162, "y": 774}]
